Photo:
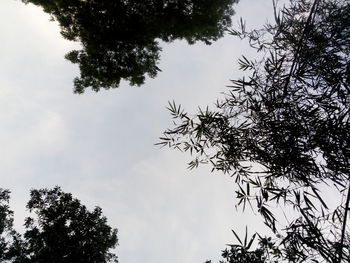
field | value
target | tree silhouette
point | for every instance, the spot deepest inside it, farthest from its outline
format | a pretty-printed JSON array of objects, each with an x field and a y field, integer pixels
[
  {"x": 9, "y": 239},
  {"x": 62, "y": 231},
  {"x": 283, "y": 129},
  {"x": 120, "y": 39}
]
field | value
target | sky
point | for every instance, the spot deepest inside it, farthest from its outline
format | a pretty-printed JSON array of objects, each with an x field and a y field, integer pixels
[{"x": 100, "y": 146}]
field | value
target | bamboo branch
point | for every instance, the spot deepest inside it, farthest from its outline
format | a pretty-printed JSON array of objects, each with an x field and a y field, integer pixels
[{"x": 344, "y": 226}]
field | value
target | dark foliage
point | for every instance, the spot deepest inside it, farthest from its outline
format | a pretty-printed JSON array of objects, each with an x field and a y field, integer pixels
[
  {"x": 242, "y": 253},
  {"x": 65, "y": 231},
  {"x": 120, "y": 38},
  {"x": 283, "y": 130},
  {"x": 5, "y": 222},
  {"x": 8, "y": 237},
  {"x": 62, "y": 231}
]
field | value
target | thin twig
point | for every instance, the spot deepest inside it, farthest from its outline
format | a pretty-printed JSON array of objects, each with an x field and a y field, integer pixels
[
  {"x": 296, "y": 57},
  {"x": 344, "y": 226}
]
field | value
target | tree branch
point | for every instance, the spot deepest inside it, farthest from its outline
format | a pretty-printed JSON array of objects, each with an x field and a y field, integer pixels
[
  {"x": 344, "y": 226},
  {"x": 296, "y": 57}
]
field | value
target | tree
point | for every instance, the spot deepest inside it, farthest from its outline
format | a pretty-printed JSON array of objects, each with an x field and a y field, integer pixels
[
  {"x": 120, "y": 39},
  {"x": 6, "y": 222},
  {"x": 283, "y": 130},
  {"x": 8, "y": 236},
  {"x": 63, "y": 230}
]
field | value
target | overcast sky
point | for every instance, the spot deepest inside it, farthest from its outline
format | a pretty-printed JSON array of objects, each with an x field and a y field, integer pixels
[{"x": 100, "y": 146}]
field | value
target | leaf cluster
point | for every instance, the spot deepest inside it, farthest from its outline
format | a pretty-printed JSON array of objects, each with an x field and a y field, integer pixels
[
  {"x": 62, "y": 230},
  {"x": 120, "y": 39},
  {"x": 242, "y": 252}
]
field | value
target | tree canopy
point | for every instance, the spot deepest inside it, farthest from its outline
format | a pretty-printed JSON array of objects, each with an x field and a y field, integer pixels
[
  {"x": 283, "y": 130},
  {"x": 7, "y": 234},
  {"x": 120, "y": 39},
  {"x": 61, "y": 230}
]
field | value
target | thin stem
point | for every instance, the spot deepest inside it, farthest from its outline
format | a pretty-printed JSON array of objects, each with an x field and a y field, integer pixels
[
  {"x": 322, "y": 246},
  {"x": 344, "y": 226},
  {"x": 299, "y": 46}
]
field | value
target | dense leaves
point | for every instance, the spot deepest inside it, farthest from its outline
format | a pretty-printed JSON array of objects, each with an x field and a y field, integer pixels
[
  {"x": 62, "y": 230},
  {"x": 65, "y": 231},
  {"x": 8, "y": 237},
  {"x": 283, "y": 130},
  {"x": 120, "y": 38}
]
